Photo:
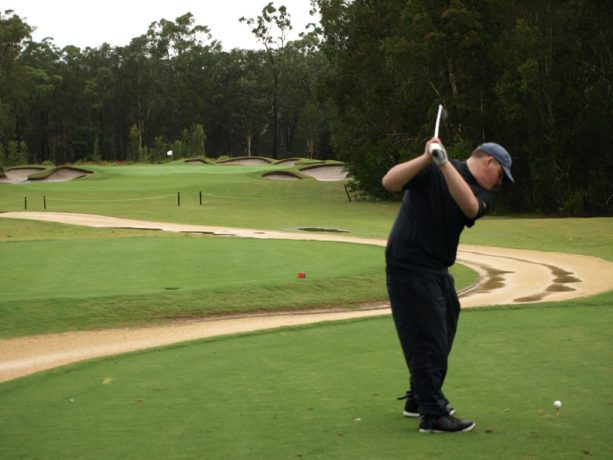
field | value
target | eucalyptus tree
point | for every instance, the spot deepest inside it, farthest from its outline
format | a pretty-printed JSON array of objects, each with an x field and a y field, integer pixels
[
  {"x": 15, "y": 34},
  {"x": 106, "y": 109},
  {"x": 136, "y": 90},
  {"x": 240, "y": 98},
  {"x": 183, "y": 55},
  {"x": 271, "y": 28},
  {"x": 304, "y": 111},
  {"x": 554, "y": 62},
  {"x": 374, "y": 89},
  {"x": 534, "y": 76}
]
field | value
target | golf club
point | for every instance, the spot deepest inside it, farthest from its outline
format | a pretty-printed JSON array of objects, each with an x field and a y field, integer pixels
[{"x": 435, "y": 147}]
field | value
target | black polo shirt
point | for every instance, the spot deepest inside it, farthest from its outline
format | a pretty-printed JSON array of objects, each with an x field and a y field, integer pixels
[{"x": 427, "y": 230}]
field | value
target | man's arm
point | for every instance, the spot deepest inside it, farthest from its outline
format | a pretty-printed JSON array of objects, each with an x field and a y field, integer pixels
[
  {"x": 398, "y": 176},
  {"x": 460, "y": 191}
]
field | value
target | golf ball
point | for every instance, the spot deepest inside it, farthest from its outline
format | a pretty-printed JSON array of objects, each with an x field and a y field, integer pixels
[{"x": 557, "y": 404}]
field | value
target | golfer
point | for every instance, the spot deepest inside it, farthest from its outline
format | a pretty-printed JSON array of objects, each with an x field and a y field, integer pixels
[{"x": 441, "y": 197}]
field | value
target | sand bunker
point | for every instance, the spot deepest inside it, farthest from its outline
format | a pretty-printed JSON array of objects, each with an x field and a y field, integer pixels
[
  {"x": 60, "y": 174},
  {"x": 18, "y": 175},
  {"x": 63, "y": 174},
  {"x": 246, "y": 162},
  {"x": 280, "y": 175},
  {"x": 287, "y": 162},
  {"x": 326, "y": 172}
]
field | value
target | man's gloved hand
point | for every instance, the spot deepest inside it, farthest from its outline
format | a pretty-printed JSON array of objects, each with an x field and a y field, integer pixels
[{"x": 439, "y": 154}]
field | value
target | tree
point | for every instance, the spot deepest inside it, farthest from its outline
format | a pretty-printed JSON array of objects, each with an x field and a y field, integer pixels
[
  {"x": 15, "y": 34},
  {"x": 373, "y": 87},
  {"x": 17, "y": 153},
  {"x": 271, "y": 29},
  {"x": 526, "y": 74},
  {"x": 362, "y": 86},
  {"x": 246, "y": 97},
  {"x": 194, "y": 139},
  {"x": 135, "y": 147}
]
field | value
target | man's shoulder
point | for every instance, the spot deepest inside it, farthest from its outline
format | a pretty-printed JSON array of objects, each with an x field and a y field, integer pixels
[{"x": 460, "y": 165}]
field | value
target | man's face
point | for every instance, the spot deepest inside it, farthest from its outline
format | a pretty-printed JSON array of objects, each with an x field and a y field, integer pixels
[{"x": 493, "y": 173}]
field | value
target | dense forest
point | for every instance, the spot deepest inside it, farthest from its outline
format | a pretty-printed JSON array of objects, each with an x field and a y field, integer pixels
[{"x": 361, "y": 85}]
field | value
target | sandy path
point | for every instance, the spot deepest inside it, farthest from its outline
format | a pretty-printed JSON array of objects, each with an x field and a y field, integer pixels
[{"x": 508, "y": 276}]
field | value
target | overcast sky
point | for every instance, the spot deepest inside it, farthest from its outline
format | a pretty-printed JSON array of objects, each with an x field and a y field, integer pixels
[{"x": 90, "y": 23}]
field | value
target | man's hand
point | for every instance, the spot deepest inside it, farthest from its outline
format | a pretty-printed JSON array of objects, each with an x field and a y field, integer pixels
[
  {"x": 439, "y": 155},
  {"x": 437, "y": 151}
]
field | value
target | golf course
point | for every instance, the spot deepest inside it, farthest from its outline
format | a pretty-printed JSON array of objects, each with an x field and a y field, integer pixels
[{"x": 143, "y": 251}]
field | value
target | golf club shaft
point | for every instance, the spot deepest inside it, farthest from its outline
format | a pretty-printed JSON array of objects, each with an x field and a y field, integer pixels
[{"x": 438, "y": 120}]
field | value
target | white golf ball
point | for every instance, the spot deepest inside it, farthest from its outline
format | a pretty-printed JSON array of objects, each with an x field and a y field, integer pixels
[{"x": 557, "y": 404}]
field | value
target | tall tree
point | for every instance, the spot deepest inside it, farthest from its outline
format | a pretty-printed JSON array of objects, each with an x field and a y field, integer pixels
[
  {"x": 271, "y": 29},
  {"x": 15, "y": 33}
]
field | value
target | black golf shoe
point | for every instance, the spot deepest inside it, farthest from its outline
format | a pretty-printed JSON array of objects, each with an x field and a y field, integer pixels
[{"x": 444, "y": 424}]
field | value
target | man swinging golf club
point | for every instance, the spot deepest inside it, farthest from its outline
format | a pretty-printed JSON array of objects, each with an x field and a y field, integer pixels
[{"x": 441, "y": 197}]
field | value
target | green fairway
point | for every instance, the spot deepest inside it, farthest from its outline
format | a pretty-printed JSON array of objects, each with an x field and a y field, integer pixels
[
  {"x": 328, "y": 391},
  {"x": 136, "y": 266},
  {"x": 60, "y": 278},
  {"x": 140, "y": 277},
  {"x": 58, "y": 285},
  {"x": 321, "y": 391},
  {"x": 232, "y": 195}
]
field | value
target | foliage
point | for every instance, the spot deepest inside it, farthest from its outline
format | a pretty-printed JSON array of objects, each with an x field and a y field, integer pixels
[
  {"x": 174, "y": 83},
  {"x": 534, "y": 76},
  {"x": 361, "y": 86}
]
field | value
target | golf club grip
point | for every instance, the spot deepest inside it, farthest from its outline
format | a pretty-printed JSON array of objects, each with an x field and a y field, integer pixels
[
  {"x": 435, "y": 147},
  {"x": 436, "y": 150}
]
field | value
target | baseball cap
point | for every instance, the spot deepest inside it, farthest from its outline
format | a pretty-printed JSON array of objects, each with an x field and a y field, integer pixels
[{"x": 498, "y": 152}]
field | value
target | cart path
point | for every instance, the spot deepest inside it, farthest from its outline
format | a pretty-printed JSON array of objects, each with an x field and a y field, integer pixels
[{"x": 507, "y": 276}]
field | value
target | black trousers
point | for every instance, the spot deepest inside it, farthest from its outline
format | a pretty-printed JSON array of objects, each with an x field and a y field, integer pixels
[{"x": 425, "y": 308}]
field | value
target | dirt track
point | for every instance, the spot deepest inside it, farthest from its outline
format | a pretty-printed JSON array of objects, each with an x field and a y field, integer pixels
[{"x": 508, "y": 276}]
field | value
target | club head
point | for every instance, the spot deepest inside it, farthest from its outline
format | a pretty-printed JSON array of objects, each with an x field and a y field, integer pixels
[
  {"x": 443, "y": 113},
  {"x": 440, "y": 116}
]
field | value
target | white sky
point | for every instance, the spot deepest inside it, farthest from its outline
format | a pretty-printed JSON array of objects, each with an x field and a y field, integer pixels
[{"x": 85, "y": 23}]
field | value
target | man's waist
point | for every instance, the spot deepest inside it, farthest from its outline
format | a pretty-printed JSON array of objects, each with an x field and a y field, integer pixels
[{"x": 395, "y": 266}]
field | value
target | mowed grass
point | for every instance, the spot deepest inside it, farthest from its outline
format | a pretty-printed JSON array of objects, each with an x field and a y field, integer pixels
[
  {"x": 62, "y": 278},
  {"x": 329, "y": 391},
  {"x": 233, "y": 195},
  {"x": 59, "y": 278},
  {"x": 141, "y": 265},
  {"x": 91, "y": 283}
]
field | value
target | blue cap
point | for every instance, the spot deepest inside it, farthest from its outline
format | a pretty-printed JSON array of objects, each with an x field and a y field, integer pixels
[{"x": 498, "y": 152}]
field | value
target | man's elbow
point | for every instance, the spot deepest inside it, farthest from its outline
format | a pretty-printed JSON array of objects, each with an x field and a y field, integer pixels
[
  {"x": 389, "y": 184},
  {"x": 472, "y": 210}
]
